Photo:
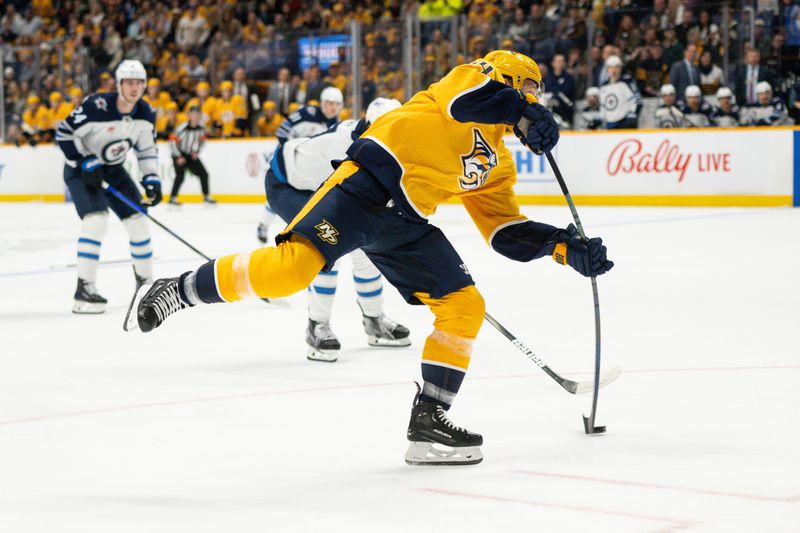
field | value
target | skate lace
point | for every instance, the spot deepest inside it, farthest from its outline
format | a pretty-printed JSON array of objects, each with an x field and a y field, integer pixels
[
  {"x": 323, "y": 331},
  {"x": 442, "y": 416},
  {"x": 167, "y": 303}
]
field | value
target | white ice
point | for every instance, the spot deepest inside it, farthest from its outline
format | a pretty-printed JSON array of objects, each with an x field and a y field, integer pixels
[{"x": 217, "y": 422}]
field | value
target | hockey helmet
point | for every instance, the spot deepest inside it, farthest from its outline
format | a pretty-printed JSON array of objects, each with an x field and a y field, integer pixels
[
  {"x": 724, "y": 92},
  {"x": 379, "y": 106},
  {"x": 516, "y": 67},
  {"x": 131, "y": 69},
  {"x": 331, "y": 94},
  {"x": 592, "y": 91},
  {"x": 667, "y": 89},
  {"x": 763, "y": 87},
  {"x": 692, "y": 90}
]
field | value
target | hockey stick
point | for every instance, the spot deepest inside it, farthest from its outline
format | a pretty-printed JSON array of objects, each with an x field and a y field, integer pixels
[
  {"x": 588, "y": 423},
  {"x": 573, "y": 387},
  {"x": 127, "y": 201}
]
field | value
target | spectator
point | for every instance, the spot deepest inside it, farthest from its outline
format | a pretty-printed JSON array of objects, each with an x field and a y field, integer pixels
[
  {"x": 269, "y": 121},
  {"x": 283, "y": 92},
  {"x": 230, "y": 112},
  {"x": 748, "y": 77},
  {"x": 193, "y": 30},
  {"x": 230, "y": 26},
  {"x": 254, "y": 31},
  {"x": 195, "y": 71},
  {"x": 601, "y": 75},
  {"x": 313, "y": 84},
  {"x": 711, "y": 76},
  {"x": 245, "y": 91},
  {"x": 29, "y": 25},
  {"x": 561, "y": 84},
  {"x": 696, "y": 111},
  {"x": 726, "y": 114},
  {"x": 591, "y": 114},
  {"x": 673, "y": 49},
  {"x": 668, "y": 115},
  {"x": 619, "y": 97},
  {"x": 541, "y": 34},
  {"x": 519, "y": 29},
  {"x": 762, "y": 39},
  {"x": 682, "y": 29},
  {"x": 35, "y": 121},
  {"x": 685, "y": 73},
  {"x": 59, "y": 109},
  {"x": 204, "y": 101}
]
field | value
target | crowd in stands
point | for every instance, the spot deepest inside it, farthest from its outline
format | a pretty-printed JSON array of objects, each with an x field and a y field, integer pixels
[{"x": 54, "y": 52}]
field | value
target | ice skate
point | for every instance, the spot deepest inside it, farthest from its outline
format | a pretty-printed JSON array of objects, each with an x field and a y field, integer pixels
[
  {"x": 322, "y": 343},
  {"x": 152, "y": 304},
  {"x": 173, "y": 201},
  {"x": 140, "y": 280},
  {"x": 87, "y": 300},
  {"x": 262, "y": 232},
  {"x": 209, "y": 201},
  {"x": 383, "y": 331},
  {"x": 435, "y": 440}
]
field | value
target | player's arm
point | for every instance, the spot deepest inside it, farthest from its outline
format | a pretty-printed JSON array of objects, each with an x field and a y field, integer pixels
[
  {"x": 147, "y": 156},
  {"x": 284, "y": 132},
  {"x": 313, "y": 155}
]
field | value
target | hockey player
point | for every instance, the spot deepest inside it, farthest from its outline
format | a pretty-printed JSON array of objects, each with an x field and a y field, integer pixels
[
  {"x": 770, "y": 110},
  {"x": 726, "y": 114},
  {"x": 619, "y": 97},
  {"x": 297, "y": 169},
  {"x": 696, "y": 111},
  {"x": 591, "y": 114},
  {"x": 95, "y": 139},
  {"x": 444, "y": 143},
  {"x": 186, "y": 143},
  {"x": 668, "y": 115},
  {"x": 305, "y": 122}
]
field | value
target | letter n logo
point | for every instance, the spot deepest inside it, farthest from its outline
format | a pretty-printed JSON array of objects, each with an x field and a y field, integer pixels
[{"x": 327, "y": 232}]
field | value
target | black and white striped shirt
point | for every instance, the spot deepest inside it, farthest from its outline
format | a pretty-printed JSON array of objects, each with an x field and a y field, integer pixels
[{"x": 187, "y": 139}]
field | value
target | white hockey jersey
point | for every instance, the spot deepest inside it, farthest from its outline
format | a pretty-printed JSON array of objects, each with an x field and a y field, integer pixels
[
  {"x": 619, "y": 101},
  {"x": 669, "y": 116},
  {"x": 305, "y": 122},
  {"x": 97, "y": 128},
  {"x": 307, "y": 160}
]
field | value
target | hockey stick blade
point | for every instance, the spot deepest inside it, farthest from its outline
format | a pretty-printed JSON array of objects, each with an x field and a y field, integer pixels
[{"x": 582, "y": 387}]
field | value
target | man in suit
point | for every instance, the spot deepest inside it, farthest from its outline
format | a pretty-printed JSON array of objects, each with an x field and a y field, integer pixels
[
  {"x": 685, "y": 73},
  {"x": 283, "y": 92},
  {"x": 747, "y": 78}
]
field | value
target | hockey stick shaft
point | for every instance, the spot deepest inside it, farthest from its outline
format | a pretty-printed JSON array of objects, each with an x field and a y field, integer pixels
[
  {"x": 127, "y": 201},
  {"x": 587, "y": 422}
]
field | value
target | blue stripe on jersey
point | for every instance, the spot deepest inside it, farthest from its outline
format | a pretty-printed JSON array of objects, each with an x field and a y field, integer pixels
[
  {"x": 89, "y": 256},
  {"x": 329, "y": 273},
  {"x": 325, "y": 290},
  {"x": 148, "y": 157},
  {"x": 84, "y": 240},
  {"x": 140, "y": 243},
  {"x": 369, "y": 294},
  {"x": 366, "y": 280},
  {"x": 148, "y": 255}
]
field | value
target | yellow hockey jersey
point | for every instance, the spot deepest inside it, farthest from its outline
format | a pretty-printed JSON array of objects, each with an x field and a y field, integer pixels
[
  {"x": 227, "y": 113},
  {"x": 35, "y": 121},
  {"x": 447, "y": 142}
]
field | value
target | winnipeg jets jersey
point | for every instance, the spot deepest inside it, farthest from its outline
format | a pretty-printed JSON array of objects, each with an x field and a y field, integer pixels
[
  {"x": 620, "y": 100},
  {"x": 723, "y": 119},
  {"x": 97, "y": 128},
  {"x": 669, "y": 116},
  {"x": 307, "y": 160},
  {"x": 305, "y": 122},
  {"x": 701, "y": 118},
  {"x": 592, "y": 118},
  {"x": 772, "y": 114}
]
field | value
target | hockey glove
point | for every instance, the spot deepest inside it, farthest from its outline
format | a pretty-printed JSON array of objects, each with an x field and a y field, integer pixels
[
  {"x": 92, "y": 173},
  {"x": 588, "y": 258},
  {"x": 539, "y": 127},
  {"x": 152, "y": 189}
]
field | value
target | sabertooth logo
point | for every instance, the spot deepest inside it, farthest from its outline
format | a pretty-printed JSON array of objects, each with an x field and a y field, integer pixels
[
  {"x": 477, "y": 163},
  {"x": 327, "y": 232}
]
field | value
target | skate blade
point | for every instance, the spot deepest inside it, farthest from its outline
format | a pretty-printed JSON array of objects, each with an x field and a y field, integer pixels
[
  {"x": 88, "y": 308},
  {"x": 131, "y": 317},
  {"x": 388, "y": 343},
  {"x": 324, "y": 356},
  {"x": 431, "y": 454}
]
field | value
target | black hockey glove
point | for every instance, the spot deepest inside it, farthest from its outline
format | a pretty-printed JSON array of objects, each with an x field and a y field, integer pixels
[
  {"x": 539, "y": 127},
  {"x": 588, "y": 258},
  {"x": 152, "y": 189},
  {"x": 92, "y": 173}
]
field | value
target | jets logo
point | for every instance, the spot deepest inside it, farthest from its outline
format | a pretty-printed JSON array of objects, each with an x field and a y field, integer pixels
[
  {"x": 477, "y": 164},
  {"x": 611, "y": 102},
  {"x": 327, "y": 232},
  {"x": 101, "y": 104}
]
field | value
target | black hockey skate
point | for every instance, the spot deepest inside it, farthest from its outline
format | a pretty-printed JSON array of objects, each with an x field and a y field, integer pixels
[
  {"x": 435, "y": 440},
  {"x": 383, "y": 331},
  {"x": 87, "y": 300},
  {"x": 262, "y": 232},
  {"x": 322, "y": 343},
  {"x": 152, "y": 304},
  {"x": 209, "y": 201}
]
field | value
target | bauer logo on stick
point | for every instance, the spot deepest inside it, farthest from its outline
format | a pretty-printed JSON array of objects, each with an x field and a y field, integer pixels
[{"x": 327, "y": 232}]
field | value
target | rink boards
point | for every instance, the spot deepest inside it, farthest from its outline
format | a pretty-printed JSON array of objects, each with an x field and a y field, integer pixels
[{"x": 700, "y": 167}]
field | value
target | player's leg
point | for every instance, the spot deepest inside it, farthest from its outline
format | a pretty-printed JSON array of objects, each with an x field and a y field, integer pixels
[
  {"x": 180, "y": 172},
  {"x": 91, "y": 205},
  {"x": 380, "y": 329},
  {"x": 135, "y": 223},
  {"x": 322, "y": 342},
  {"x": 422, "y": 264}
]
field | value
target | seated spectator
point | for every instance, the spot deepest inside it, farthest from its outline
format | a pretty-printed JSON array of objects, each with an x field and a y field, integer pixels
[
  {"x": 561, "y": 85},
  {"x": 572, "y": 30},
  {"x": 204, "y": 101},
  {"x": 695, "y": 110},
  {"x": 619, "y": 97},
  {"x": 75, "y": 96},
  {"x": 591, "y": 114},
  {"x": 255, "y": 30},
  {"x": 770, "y": 110},
  {"x": 726, "y": 114},
  {"x": 519, "y": 29},
  {"x": 541, "y": 34},
  {"x": 192, "y": 30},
  {"x": 673, "y": 49},
  {"x": 668, "y": 115},
  {"x": 685, "y": 73},
  {"x": 151, "y": 95},
  {"x": 59, "y": 109},
  {"x": 195, "y": 71},
  {"x": 230, "y": 112},
  {"x": 167, "y": 122},
  {"x": 711, "y": 76},
  {"x": 269, "y": 121},
  {"x": 35, "y": 120}
]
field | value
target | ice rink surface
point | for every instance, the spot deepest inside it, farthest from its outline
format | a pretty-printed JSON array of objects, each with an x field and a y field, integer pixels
[{"x": 217, "y": 422}]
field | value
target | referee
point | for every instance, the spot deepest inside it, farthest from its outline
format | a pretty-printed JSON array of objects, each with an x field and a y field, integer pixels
[{"x": 186, "y": 142}]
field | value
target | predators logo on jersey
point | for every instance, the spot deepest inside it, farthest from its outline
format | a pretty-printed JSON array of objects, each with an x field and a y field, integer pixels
[
  {"x": 327, "y": 232},
  {"x": 477, "y": 164}
]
